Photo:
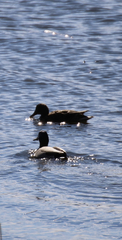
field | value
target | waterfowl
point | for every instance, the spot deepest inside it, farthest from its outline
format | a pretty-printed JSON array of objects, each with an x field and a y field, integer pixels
[
  {"x": 47, "y": 152},
  {"x": 68, "y": 116}
]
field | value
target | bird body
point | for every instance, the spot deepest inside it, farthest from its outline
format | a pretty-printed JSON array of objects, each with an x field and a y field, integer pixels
[
  {"x": 68, "y": 116},
  {"x": 49, "y": 152},
  {"x": 44, "y": 151}
]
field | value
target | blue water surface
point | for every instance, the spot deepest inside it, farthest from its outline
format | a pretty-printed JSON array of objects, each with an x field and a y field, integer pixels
[{"x": 68, "y": 55}]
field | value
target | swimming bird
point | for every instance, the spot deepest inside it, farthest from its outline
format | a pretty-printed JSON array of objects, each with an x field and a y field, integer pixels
[
  {"x": 68, "y": 116},
  {"x": 47, "y": 152}
]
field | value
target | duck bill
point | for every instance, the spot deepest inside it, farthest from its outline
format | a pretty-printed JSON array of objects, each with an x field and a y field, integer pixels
[
  {"x": 31, "y": 116},
  {"x": 34, "y": 113},
  {"x": 35, "y": 139}
]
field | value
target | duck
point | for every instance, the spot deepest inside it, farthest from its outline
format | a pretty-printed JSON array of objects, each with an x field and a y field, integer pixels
[
  {"x": 67, "y": 116},
  {"x": 44, "y": 151}
]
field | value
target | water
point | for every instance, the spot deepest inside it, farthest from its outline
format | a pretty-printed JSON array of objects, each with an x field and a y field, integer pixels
[{"x": 68, "y": 55}]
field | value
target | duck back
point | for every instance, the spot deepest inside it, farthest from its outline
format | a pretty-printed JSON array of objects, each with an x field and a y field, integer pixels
[
  {"x": 49, "y": 152},
  {"x": 68, "y": 116}
]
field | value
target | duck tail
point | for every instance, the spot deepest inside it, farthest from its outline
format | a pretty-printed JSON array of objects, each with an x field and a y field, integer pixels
[
  {"x": 82, "y": 112},
  {"x": 89, "y": 117}
]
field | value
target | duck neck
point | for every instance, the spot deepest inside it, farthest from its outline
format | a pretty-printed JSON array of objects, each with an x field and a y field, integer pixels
[
  {"x": 41, "y": 145},
  {"x": 44, "y": 112},
  {"x": 44, "y": 142},
  {"x": 43, "y": 117}
]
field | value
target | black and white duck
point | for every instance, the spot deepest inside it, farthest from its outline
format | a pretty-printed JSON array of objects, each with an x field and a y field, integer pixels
[{"x": 47, "y": 152}]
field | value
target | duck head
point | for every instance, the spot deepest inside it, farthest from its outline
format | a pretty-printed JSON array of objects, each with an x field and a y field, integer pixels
[
  {"x": 42, "y": 138},
  {"x": 41, "y": 109}
]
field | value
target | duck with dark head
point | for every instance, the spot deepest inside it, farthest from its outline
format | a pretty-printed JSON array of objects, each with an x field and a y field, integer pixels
[
  {"x": 68, "y": 116},
  {"x": 47, "y": 152}
]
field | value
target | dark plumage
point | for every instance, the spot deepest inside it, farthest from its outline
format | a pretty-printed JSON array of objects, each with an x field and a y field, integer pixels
[
  {"x": 68, "y": 116},
  {"x": 47, "y": 152}
]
